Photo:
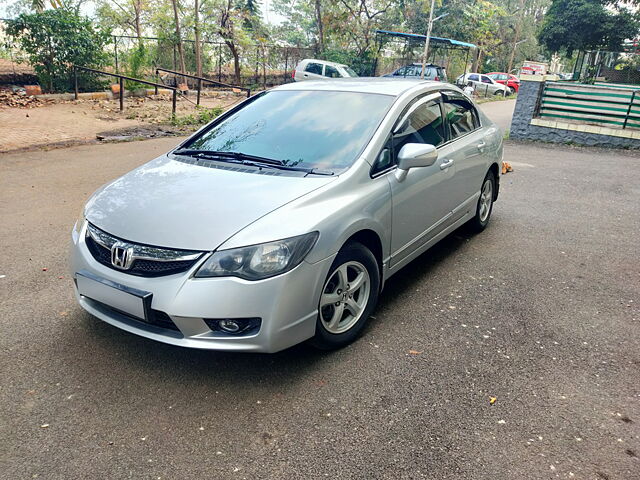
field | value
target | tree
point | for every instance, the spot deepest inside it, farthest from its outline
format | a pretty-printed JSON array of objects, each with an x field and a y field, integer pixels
[
  {"x": 585, "y": 25},
  {"x": 176, "y": 16},
  {"x": 55, "y": 40},
  {"x": 196, "y": 33}
]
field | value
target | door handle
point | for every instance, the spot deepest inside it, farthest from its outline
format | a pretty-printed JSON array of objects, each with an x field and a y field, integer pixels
[
  {"x": 481, "y": 146},
  {"x": 446, "y": 164}
]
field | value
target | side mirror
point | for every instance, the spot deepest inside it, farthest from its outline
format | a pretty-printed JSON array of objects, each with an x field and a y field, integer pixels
[{"x": 413, "y": 155}]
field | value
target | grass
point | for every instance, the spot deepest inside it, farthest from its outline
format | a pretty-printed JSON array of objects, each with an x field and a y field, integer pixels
[
  {"x": 495, "y": 98},
  {"x": 201, "y": 116}
]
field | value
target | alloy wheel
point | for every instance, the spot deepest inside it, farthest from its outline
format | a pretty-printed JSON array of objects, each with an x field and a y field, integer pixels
[
  {"x": 344, "y": 297},
  {"x": 486, "y": 197}
]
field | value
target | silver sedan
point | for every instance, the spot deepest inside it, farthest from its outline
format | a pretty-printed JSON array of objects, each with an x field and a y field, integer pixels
[{"x": 281, "y": 220}]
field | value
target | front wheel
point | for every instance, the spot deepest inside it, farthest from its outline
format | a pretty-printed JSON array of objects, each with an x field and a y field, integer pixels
[
  {"x": 485, "y": 204},
  {"x": 349, "y": 295}
]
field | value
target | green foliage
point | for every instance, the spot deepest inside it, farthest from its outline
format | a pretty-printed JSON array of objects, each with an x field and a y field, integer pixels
[
  {"x": 363, "y": 64},
  {"x": 202, "y": 116},
  {"x": 586, "y": 25},
  {"x": 54, "y": 40},
  {"x": 135, "y": 63}
]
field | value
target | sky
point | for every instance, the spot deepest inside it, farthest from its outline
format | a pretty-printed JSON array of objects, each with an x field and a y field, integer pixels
[{"x": 88, "y": 8}]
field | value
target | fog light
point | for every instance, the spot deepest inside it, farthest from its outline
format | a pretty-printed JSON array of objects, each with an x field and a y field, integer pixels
[
  {"x": 234, "y": 326},
  {"x": 229, "y": 326}
]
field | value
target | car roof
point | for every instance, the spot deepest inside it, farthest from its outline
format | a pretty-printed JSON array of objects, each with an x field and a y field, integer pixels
[
  {"x": 418, "y": 64},
  {"x": 326, "y": 62},
  {"x": 380, "y": 85}
]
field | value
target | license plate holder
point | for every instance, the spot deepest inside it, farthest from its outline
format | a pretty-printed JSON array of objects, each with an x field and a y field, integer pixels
[{"x": 128, "y": 300}]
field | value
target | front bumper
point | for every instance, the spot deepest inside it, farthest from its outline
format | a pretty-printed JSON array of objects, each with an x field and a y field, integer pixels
[{"x": 287, "y": 304}]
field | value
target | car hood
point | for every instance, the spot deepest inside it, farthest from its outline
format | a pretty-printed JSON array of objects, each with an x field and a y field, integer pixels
[{"x": 173, "y": 204}]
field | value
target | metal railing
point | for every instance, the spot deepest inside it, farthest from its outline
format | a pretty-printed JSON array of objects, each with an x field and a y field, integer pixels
[
  {"x": 611, "y": 106},
  {"x": 201, "y": 80},
  {"x": 121, "y": 79}
]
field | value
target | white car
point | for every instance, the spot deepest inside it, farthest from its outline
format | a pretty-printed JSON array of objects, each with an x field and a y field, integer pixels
[
  {"x": 312, "y": 69},
  {"x": 483, "y": 84}
]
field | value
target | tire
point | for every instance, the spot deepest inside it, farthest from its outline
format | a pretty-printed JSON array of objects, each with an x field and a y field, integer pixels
[
  {"x": 485, "y": 204},
  {"x": 512, "y": 91},
  {"x": 499, "y": 92},
  {"x": 339, "y": 323}
]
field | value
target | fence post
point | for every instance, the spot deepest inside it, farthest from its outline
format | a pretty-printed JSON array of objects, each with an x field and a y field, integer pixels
[
  {"x": 486, "y": 91},
  {"x": 286, "y": 64},
  {"x": 220, "y": 62},
  {"x": 626, "y": 118},
  {"x": 157, "y": 81},
  {"x": 173, "y": 103},
  {"x": 121, "y": 94},
  {"x": 115, "y": 50},
  {"x": 75, "y": 81},
  {"x": 199, "y": 88}
]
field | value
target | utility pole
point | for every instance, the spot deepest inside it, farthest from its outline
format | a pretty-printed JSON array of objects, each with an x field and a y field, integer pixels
[{"x": 426, "y": 42}]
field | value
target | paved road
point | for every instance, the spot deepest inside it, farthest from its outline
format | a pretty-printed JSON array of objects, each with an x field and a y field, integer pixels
[
  {"x": 540, "y": 311},
  {"x": 500, "y": 112}
]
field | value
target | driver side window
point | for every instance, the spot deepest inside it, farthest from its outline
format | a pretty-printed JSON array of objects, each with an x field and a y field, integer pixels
[{"x": 425, "y": 124}]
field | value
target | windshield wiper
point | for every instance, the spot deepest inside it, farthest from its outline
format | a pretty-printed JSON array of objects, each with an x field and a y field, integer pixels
[
  {"x": 249, "y": 160},
  {"x": 238, "y": 156}
]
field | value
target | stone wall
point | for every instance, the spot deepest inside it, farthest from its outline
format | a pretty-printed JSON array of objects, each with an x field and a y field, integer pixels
[{"x": 524, "y": 125}]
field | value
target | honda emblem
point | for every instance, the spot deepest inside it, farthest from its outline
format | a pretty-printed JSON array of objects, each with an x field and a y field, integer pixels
[{"x": 121, "y": 256}]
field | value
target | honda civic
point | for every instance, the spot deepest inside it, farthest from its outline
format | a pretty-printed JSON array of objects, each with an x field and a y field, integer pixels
[{"x": 281, "y": 220}]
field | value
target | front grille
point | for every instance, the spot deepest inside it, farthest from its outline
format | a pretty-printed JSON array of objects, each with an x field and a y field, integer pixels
[{"x": 98, "y": 242}]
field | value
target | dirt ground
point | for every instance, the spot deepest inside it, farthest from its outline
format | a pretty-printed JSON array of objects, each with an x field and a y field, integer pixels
[{"x": 73, "y": 122}]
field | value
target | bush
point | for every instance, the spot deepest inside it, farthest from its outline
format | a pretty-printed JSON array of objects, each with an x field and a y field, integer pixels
[
  {"x": 57, "y": 39},
  {"x": 202, "y": 116}
]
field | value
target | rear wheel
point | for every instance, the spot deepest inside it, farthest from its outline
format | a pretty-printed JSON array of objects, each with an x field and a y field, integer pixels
[
  {"x": 512, "y": 91},
  {"x": 349, "y": 295},
  {"x": 485, "y": 204}
]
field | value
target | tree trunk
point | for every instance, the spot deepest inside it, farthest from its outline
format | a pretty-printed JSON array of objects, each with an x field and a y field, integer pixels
[
  {"x": 137, "y": 8},
  {"x": 236, "y": 60},
  {"x": 320, "y": 47},
  {"x": 196, "y": 32},
  {"x": 516, "y": 37},
  {"x": 178, "y": 37}
]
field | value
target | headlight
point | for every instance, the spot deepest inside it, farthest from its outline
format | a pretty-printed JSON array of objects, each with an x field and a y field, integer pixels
[{"x": 259, "y": 261}]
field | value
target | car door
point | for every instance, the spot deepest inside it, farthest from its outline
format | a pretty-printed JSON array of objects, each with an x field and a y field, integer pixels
[
  {"x": 331, "y": 72},
  {"x": 420, "y": 201},
  {"x": 488, "y": 85},
  {"x": 475, "y": 78},
  {"x": 313, "y": 71},
  {"x": 468, "y": 144}
]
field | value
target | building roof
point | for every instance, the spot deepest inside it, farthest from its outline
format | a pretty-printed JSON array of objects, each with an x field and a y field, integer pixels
[{"x": 437, "y": 40}]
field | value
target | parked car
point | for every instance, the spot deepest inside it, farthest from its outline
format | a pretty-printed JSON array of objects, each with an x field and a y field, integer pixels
[
  {"x": 483, "y": 84},
  {"x": 273, "y": 224},
  {"x": 312, "y": 69},
  {"x": 431, "y": 72},
  {"x": 511, "y": 81}
]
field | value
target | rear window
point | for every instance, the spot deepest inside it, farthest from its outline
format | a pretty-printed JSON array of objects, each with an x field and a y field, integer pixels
[{"x": 314, "y": 68}]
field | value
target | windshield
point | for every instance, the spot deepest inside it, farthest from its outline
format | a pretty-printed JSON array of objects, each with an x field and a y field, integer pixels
[
  {"x": 350, "y": 71},
  {"x": 312, "y": 129}
]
